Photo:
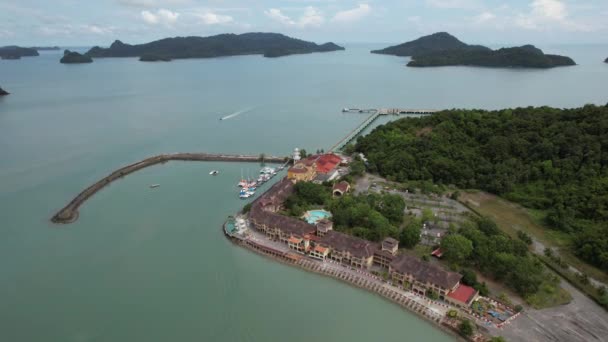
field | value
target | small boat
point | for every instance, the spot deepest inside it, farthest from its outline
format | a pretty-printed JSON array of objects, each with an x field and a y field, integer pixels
[
  {"x": 214, "y": 172},
  {"x": 154, "y": 186}
]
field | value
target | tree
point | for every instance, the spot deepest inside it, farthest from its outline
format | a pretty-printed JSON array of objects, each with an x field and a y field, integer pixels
[
  {"x": 303, "y": 153},
  {"x": 465, "y": 328},
  {"x": 456, "y": 248},
  {"x": 410, "y": 235},
  {"x": 357, "y": 168},
  {"x": 498, "y": 339},
  {"x": 263, "y": 159},
  {"x": 246, "y": 208}
]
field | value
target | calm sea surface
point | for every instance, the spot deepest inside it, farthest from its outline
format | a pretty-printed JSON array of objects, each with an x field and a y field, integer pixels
[{"x": 152, "y": 265}]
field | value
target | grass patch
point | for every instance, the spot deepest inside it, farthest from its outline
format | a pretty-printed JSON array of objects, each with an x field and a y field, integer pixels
[
  {"x": 549, "y": 295},
  {"x": 511, "y": 217}
]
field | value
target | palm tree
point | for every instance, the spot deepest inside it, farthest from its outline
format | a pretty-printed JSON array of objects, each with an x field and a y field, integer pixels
[{"x": 262, "y": 157}]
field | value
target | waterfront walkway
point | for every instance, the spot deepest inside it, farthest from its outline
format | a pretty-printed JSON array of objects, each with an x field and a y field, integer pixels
[
  {"x": 375, "y": 114},
  {"x": 69, "y": 213},
  {"x": 432, "y": 310}
]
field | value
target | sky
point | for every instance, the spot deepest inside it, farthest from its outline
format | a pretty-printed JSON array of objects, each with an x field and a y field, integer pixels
[{"x": 100, "y": 22}]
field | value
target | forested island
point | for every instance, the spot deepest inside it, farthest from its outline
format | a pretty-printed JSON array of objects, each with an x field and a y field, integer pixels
[
  {"x": 606, "y": 60},
  {"x": 16, "y": 52},
  {"x": 267, "y": 44},
  {"x": 3, "y": 92},
  {"x": 554, "y": 161},
  {"x": 443, "y": 49},
  {"x": 71, "y": 57},
  {"x": 45, "y": 48}
]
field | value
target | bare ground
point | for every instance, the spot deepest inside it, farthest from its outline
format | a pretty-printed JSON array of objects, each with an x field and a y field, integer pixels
[{"x": 580, "y": 320}]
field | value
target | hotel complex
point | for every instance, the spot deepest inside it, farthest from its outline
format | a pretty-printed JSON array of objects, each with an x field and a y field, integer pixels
[{"x": 321, "y": 242}]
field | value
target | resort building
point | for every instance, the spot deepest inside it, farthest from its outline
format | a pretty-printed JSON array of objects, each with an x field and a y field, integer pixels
[
  {"x": 302, "y": 171},
  {"x": 420, "y": 276},
  {"x": 463, "y": 296},
  {"x": 349, "y": 250},
  {"x": 324, "y": 226},
  {"x": 387, "y": 252},
  {"x": 321, "y": 242},
  {"x": 341, "y": 188},
  {"x": 319, "y": 252},
  {"x": 318, "y": 168}
]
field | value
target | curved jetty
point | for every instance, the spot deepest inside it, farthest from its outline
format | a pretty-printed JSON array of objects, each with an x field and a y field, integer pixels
[{"x": 69, "y": 213}]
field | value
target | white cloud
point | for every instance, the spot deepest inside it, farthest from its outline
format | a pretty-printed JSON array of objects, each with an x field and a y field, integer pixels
[
  {"x": 162, "y": 16},
  {"x": 152, "y": 3},
  {"x": 353, "y": 14},
  {"x": 551, "y": 9},
  {"x": 276, "y": 14},
  {"x": 97, "y": 29},
  {"x": 549, "y": 15},
  {"x": 454, "y": 4},
  {"x": 210, "y": 18},
  {"x": 311, "y": 17},
  {"x": 484, "y": 18}
]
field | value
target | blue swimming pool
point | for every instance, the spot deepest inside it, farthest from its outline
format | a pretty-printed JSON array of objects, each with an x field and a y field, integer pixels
[{"x": 313, "y": 216}]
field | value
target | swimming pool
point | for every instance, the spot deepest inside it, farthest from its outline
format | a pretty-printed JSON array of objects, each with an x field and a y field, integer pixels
[{"x": 313, "y": 216}]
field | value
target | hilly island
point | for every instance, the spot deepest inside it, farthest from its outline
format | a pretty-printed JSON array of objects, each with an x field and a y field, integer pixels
[
  {"x": 443, "y": 49},
  {"x": 266, "y": 44}
]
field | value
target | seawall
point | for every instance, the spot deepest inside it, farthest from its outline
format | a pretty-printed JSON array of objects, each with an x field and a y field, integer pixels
[{"x": 69, "y": 213}]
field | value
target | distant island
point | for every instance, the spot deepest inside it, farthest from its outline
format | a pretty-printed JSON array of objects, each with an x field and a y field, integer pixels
[
  {"x": 71, "y": 57},
  {"x": 266, "y": 44},
  {"x": 3, "y": 92},
  {"x": 45, "y": 48},
  {"x": 606, "y": 60},
  {"x": 443, "y": 49},
  {"x": 16, "y": 52},
  {"x": 154, "y": 58}
]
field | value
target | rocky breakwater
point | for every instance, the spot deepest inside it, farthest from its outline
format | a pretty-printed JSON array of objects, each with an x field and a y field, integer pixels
[{"x": 69, "y": 213}]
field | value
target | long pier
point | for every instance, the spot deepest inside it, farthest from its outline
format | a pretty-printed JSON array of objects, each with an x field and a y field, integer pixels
[
  {"x": 69, "y": 213},
  {"x": 375, "y": 114}
]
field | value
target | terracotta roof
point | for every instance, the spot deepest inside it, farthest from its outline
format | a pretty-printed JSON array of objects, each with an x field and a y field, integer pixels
[
  {"x": 425, "y": 272},
  {"x": 320, "y": 249},
  {"x": 295, "y": 240},
  {"x": 342, "y": 186},
  {"x": 354, "y": 245},
  {"x": 296, "y": 169},
  {"x": 437, "y": 253},
  {"x": 327, "y": 162},
  {"x": 463, "y": 293}
]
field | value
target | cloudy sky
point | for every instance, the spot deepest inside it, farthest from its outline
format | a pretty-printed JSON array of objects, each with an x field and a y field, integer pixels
[{"x": 99, "y": 22}]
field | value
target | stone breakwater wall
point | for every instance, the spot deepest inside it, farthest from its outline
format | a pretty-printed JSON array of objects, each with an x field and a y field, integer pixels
[
  {"x": 69, "y": 213},
  {"x": 353, "y": 280}
]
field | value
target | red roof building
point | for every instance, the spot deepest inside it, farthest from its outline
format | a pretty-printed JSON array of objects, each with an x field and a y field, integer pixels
[{"x": 462, "y": 296}]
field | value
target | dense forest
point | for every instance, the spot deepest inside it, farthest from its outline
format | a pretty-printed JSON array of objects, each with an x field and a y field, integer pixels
[
  {"x": 544, "y": 158},
  {"x": 267, "y": 44},
  {"x": 16, "y": 52},
  {"x": 526, "y": 56},
  {"x": 72, "y": 57}
]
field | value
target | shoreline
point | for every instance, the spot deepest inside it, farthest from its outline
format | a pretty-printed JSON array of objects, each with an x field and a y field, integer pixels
[
  {"x": 69, "y": 213},
  {"x": 357, "y": 282}
]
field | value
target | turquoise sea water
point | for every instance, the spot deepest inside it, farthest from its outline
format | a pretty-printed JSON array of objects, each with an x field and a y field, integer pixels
[{"x": 152, "y": 264}]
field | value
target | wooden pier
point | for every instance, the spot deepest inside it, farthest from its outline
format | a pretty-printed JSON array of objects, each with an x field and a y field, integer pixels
[{"x": 375, "y": 114}]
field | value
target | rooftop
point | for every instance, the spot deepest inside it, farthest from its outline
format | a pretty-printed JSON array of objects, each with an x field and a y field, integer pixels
[
  {"x": 463, "y": 293},
  {"x": 341, "y": 186},
  {"x": 425, "y": 272},
  {"x": 354, "y": 245}
]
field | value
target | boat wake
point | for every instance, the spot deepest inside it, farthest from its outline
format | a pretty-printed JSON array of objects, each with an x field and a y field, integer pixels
[{"x": 235, "y": 114}]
